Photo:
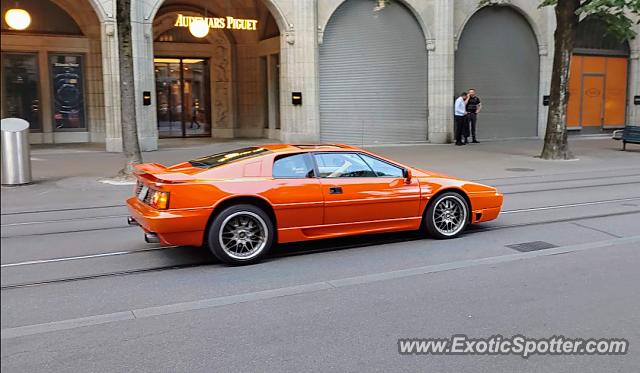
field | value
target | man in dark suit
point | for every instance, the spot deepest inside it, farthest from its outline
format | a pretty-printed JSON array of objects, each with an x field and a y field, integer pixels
[{"x": 473, "y": 109}]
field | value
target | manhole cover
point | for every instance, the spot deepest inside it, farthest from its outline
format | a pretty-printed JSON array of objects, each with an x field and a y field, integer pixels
[
  {"x": 531, "y": 246},
  {"x": 520, "y": 169}
]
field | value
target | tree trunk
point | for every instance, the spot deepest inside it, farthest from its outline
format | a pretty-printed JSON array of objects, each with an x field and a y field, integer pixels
[
  {"x": 130, "y": 144},
  {"x": 555, "y": 140}
]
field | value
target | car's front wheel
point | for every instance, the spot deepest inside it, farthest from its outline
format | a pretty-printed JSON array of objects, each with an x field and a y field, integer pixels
[
  {"x": 241, "y": 234},
  {"x": 446, "y": 216}
]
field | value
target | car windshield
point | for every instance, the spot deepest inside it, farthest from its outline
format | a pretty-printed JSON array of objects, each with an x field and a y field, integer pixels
[{"x": 220, "y": 159}]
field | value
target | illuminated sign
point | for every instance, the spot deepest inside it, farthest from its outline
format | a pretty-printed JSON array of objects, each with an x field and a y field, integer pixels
[{"x": 218, "y": 22}]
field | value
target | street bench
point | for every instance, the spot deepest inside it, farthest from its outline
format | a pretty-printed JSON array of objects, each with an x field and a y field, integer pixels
[{"x": 630, "y": 134}]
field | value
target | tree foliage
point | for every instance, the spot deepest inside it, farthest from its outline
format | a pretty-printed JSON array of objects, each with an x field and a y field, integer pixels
[{"x": 618, "y": 15}]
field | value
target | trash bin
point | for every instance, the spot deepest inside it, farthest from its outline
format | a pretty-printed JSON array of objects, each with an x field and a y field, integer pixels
[{"x": 16, "y": 157}]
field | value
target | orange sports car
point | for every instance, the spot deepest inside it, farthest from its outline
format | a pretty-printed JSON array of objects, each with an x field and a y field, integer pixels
[{"x": 239, "y": 203}]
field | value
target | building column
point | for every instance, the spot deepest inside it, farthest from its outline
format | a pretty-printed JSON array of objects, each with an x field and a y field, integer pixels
[
  {"x": 441, "y": 96},
  {"x": 633, "y": 111},
  {"x": 144, "y": 76},
  {"x": 546, "y": 46},
  {"x": 546, "y": 66},
  {"x": 272, "y": 97},
  {"x": 299, "y": 73},
  {"x": 111, "y": 82}
]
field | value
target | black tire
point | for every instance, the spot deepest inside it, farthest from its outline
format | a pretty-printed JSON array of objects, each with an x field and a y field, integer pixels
[
  {"x": 429, "y": 218},
  {"x": 240, "y": 234}
]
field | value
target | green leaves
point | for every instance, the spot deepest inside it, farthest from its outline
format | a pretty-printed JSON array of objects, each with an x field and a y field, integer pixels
[
  {"x": 547, "y": 3},
  {"x": 618, "y": 15}
]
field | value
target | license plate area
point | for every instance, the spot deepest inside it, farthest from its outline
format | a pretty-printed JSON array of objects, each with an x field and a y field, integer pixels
[{"x": 143, "y": 193}]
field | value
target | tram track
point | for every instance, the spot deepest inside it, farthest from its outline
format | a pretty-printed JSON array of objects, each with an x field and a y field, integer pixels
[
  {"x": 123, "y": 216},
  {"x": 487, "y": 180},
  {"x": 372, "y": 240},
  {"x": 66, "y": 209}
]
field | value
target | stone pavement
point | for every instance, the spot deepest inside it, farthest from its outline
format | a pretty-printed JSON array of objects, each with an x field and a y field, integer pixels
[{"x": 66, "y": 176}]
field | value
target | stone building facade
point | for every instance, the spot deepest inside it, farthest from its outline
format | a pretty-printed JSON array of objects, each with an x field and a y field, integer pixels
[{"x": 312, "y": 70}]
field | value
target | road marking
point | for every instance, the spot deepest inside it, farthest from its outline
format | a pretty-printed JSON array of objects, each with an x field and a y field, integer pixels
[
  {"x": 568, "y": 205},
  {"x": 30, "y": 262},
  {"x": 230, "y": 299},
  {"x": 21, "y": 331},
  {"x": 66, "y": 324}
]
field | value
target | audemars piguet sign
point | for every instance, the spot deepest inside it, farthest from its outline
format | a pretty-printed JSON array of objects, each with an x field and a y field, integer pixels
[{"x": 219, "y": 22}]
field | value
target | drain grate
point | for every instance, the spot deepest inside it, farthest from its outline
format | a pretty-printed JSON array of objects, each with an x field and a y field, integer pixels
[{"x": 531, "y": 246}]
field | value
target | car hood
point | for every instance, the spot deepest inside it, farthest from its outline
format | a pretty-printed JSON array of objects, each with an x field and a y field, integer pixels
[{"x": 428, "y": 173}]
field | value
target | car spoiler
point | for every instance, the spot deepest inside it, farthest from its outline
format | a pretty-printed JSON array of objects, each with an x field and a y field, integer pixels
[{"x": 156, "y": 172}]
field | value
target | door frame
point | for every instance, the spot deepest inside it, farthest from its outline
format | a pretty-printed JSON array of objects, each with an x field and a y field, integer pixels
[
  {"x": 182, "y": 95},
  {"x": 582, "y": 52},
  {"x": 39, "y": 78}
]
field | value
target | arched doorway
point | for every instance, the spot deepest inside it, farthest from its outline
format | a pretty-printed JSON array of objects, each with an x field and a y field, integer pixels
[
  {"x": 373, "y": 75},
  {"x": 497, "y": 55},
  {"x": 52, "y": 71},
  {"x": 598, "y": 79},
  {"x": 225, "y": 84}
]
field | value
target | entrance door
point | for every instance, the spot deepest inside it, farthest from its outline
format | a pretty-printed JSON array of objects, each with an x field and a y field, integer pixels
[
  {"x": 597, "y": 92},
  {"x": 592, "y": 100},
  {"x": 20, "y": 91},
  {"x": 182, "y": 91}
]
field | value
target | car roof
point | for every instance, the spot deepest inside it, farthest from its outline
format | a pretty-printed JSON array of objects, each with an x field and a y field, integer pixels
[{"x": 287, "y": 148}]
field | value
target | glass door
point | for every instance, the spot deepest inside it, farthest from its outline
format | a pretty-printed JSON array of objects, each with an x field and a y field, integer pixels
[
  {"x": 182, "y": 89},
  {"x": 169, "y": 97},
  {"x": 195, "y": 75},
  {"x": 21, "y": 91}
]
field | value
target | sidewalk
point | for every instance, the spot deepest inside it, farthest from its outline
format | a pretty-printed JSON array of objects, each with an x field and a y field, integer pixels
[{"x": 66, "y": 176}]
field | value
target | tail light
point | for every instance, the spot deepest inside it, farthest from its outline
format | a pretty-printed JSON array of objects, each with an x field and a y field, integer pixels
[{"x": 159, "y": 200}]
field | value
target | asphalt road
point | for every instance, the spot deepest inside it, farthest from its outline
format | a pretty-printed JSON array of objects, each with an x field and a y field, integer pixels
[{"x": 81, "y": 291}]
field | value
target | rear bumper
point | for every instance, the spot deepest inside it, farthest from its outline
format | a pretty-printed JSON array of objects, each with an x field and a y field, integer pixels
[{"x": 173, "y": 227}]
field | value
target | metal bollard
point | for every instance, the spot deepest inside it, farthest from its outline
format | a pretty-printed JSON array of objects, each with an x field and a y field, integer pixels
[{"x": 16, "y": 157}]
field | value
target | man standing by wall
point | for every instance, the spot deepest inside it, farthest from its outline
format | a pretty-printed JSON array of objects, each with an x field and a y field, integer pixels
[
  {"x": 473, "y": 108},
  {"x": 460, "y": 117}
]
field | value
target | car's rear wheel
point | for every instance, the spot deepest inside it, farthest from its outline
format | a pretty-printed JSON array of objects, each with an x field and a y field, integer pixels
[
  {"x": 241, "y": 234},
  {"x": 446, "y": 216}
]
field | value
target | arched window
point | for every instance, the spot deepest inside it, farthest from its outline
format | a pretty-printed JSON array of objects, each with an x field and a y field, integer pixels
[{"x": 592, "y": 37}]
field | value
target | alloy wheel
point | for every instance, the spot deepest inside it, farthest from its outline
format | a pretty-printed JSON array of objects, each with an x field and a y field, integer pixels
[
  {"x": 243, "y": 235},
  {"x": 450, "y": 215}
]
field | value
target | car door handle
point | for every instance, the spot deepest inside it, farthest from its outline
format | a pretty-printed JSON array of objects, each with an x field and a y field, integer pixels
[{"x": 335, "y": 190}]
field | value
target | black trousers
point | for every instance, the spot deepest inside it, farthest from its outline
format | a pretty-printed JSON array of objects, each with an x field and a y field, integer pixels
[
  {"x": 472, "y": 118},
  {"x": 458, "y": 128}
]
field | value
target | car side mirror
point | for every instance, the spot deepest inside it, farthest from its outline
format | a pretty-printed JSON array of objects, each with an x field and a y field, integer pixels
[{"x": 407, "y": 175}]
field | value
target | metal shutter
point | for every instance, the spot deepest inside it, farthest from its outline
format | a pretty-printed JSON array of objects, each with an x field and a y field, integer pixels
[
  {"x": 373, "y": 76},
  {"x": 498, "y": 56}
]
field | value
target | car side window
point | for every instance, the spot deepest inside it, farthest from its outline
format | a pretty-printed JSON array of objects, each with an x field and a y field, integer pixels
[
  {"x": 335, "y": 164},
  {"x": 382, "y": 168},
  {"x": 295, "y": 166}
]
